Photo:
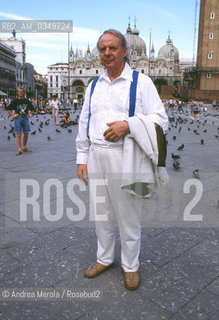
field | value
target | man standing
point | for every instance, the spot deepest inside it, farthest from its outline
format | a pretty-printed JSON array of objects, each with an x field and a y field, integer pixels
[
  {"x": 100, "y": 151},
  {"x": 54, "y": 105},
  {"x": 75, "y": 103},
  {"x": 21, "y": 115}
]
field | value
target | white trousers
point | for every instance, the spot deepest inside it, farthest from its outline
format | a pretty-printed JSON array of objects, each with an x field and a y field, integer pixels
[
  {"x": 55, "y": 115},
  {"x": 115, "y": 206}
]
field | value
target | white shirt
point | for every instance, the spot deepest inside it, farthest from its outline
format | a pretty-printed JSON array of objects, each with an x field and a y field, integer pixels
[
  {"x": 55, "y": 104},
  {"x": 110, "y": 102}
]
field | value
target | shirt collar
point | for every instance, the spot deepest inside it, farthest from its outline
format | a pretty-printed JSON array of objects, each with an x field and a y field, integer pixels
[{"x": 126, "y": 74}]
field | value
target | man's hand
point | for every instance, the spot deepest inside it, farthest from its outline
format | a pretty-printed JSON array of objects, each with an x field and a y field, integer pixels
[
  {"x": 15, "y": 115},
  {"x": 116, "y": 130},
  {"x": 82, "y": 173}
]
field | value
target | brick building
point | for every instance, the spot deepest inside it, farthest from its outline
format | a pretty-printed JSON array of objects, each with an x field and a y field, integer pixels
[{"x": 207, "y": 82}]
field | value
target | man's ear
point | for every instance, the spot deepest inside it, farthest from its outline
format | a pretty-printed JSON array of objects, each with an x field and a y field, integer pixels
[{"x": 125, "y": 52}]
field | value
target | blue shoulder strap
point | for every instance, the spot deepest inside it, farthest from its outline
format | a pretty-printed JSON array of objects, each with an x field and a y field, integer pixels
[
  {"x": 132, "y": 97},
  {"x": 89, "y": 114}
]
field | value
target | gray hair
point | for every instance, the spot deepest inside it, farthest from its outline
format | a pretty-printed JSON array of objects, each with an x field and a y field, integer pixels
[{"x": 122, "y": 39}]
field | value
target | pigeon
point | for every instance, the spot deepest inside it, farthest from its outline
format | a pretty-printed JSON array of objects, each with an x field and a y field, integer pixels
[
  {"x": 69, "y": 130},
  {"x": 196, "y": 173},
  {"x": 176, "y": 165},
  {"x": 58, "y": 130},
  {"x": 175, "y": 156},
  {"x": 9, "y": 137},
  {"x": 39, "y": 130},
  {"x": 5, "y": 127},
  {"x": 180, "y": 147},
  {"x": 49, "y": 138},
  {"x": 179, "y": 119},
  {"x": 180, "y": 128},
  {"x": 32, "y": 122},
  {"x": 174, "y": 137},
  {"x": 202, "y": 141},
  {"x": 34, "y": 132},
  {"x": 205, "y": 130}
]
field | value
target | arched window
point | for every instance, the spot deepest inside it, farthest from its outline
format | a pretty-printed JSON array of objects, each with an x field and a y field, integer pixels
[
  {"x": 211, "y": 35},
  {"x": 212, "y": 15}
]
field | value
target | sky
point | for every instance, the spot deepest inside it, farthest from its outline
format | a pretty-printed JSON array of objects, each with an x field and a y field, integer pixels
[{"x": 90, "y": 18}]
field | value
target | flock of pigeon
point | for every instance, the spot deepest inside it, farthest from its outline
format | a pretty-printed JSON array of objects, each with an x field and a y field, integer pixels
[
  {"x": 42, "y": 121},
  {"x": 177, "y": 121},
  {"x": 197, "y": 127}
]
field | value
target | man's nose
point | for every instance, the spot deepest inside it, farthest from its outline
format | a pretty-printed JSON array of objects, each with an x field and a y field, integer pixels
[{"x": 108, "y": 51}]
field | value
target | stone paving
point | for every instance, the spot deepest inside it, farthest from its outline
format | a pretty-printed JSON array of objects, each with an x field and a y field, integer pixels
[{"x": 180, "y": 232}]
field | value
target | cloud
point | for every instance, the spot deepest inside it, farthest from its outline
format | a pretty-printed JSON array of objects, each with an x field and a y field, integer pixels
[
  {"x": 39, "y": 57},
  {"x": 13, "y": 16},
  {"x": 39, "y": 45},
  {"x": 168, "y": 14},
  {"x": 85, "y": 34}
]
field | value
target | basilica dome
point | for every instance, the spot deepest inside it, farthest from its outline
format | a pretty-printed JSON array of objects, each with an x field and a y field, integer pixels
[
  {"x": 95, "y": 52},
  {"x": 134, "y": 41},
  {"x": 168, "y": 51}
]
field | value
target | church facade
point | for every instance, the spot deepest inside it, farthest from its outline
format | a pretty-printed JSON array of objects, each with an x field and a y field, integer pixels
[{"x": 70, "y": 80}]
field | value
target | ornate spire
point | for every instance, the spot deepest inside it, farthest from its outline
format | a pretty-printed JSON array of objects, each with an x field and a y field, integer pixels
[
  {"x": 135, "y": 30},
  {"x": 14, "y": 33},
  {"x": 169, "y": 41},
  {"x": 152, "y": 49},
  {"x": 129, "y": 30}
]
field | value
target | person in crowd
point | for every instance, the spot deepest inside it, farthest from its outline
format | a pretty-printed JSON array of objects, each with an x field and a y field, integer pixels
[
  {"x": 23, "y": 110},
  {"x": 54, "y": 105}
]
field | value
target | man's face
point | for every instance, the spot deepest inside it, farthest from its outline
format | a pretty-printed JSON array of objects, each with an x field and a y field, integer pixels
[
  {"x": 111, "y": 53},
  {"x": 20, "y": 94}
]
